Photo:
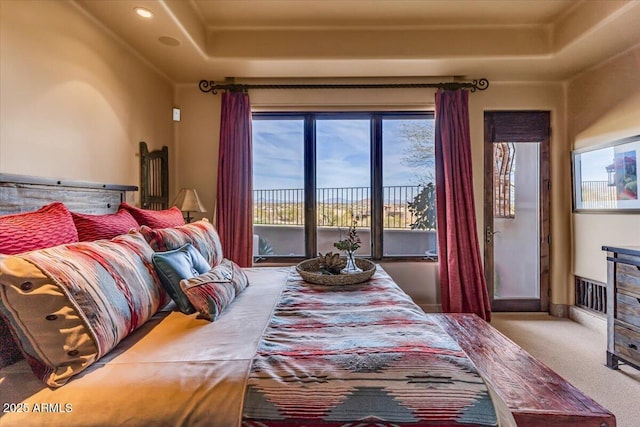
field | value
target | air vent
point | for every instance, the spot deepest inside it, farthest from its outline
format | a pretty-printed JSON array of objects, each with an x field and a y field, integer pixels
[{"x": 591, "y": 295}]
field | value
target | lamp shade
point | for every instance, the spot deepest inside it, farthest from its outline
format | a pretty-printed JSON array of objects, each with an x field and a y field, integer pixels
[{"x": 187, "y": 201}]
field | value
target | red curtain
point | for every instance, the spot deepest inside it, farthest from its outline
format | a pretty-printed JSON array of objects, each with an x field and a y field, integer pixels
[
  {"x": 462, "y": 283},
  {"x": 234, "y": 201}
]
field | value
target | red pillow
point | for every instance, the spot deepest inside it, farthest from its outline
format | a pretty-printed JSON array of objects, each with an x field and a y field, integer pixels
[
  {"x": 96, "y": 227},
  {"x": 155, "y": 219},
  {"x": 51, "y": 225}
]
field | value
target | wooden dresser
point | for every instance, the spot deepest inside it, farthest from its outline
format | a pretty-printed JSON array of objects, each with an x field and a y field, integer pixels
[{"x": 623, "y": 305}]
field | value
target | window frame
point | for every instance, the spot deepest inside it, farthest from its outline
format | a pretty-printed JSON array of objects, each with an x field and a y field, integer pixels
[{"x": 376, "y": 169}]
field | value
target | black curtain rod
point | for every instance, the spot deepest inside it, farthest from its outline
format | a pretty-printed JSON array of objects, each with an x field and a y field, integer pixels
[{"x": 213, "y": 87}]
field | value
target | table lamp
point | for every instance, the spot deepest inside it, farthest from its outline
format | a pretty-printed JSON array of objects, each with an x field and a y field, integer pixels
[{"x": 187, "y": 201}]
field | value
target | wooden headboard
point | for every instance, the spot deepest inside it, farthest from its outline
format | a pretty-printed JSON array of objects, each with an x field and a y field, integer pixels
[{"x": 20, "y": 193}]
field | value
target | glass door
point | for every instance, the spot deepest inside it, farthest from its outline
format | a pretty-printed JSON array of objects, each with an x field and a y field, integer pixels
[
  {"x": 516, "y": 226},
  {"x": 515, "y": 231}
]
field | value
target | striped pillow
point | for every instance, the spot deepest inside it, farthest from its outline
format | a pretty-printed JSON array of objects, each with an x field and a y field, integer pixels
[
  {"x": 201, "y": 234},
  {"x": 51, "y": 225},
  {"x": 96, "y": 227},
  {"x": 155, "y": 219},
  {"x": 71, "y": 304},
  {"x": 211, "y": 292}
]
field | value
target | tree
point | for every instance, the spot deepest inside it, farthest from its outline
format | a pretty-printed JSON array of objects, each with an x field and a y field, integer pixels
[
  {"x": 421, "y": 156},
  {"x": 423, "y": 208},
  {"x": 421, "y": 153}
]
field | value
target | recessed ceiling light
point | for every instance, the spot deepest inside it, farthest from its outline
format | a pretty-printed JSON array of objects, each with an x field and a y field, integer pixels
[{"x": 145, "y": 13}]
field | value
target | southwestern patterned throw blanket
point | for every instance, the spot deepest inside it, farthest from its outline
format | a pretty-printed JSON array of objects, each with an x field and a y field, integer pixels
[{"x": 360, "y": 355}]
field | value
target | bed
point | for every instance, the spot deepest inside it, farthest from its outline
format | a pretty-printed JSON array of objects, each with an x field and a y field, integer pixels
[{"x": 287, "y": 353}]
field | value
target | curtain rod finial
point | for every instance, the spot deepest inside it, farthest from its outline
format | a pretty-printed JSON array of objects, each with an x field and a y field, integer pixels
[
  {"x": 208, "y": 86},
  {"x": 481, "y": 84}
]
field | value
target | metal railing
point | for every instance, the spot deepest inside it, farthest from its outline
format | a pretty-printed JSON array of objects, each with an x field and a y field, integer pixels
[
  {"x": 334, "y": 206},
  {"x": 598, "y": 194}
]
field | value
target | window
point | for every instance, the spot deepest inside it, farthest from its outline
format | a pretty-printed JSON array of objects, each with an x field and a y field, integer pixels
[
  {"x": 504, "y": 169},
  {"x": 343, "y": 180},
  {"x": 314, "y": 173}
]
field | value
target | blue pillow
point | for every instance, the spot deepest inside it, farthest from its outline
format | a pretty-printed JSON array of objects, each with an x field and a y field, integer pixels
[{"x": 173, "y": 266}]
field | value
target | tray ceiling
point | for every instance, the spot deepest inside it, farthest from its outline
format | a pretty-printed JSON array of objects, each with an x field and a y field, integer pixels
[{"x": 190, "y": 40}]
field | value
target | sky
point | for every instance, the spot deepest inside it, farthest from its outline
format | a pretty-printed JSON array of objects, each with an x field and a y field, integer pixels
[
  {"x": 343, "y": 154},
  {"x": 593, "y": 163}
]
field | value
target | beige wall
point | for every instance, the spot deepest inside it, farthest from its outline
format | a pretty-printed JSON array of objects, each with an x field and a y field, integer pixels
[
  {"x": 603, "y": 104},
  {"x": 75, "y": 102},
  {"x": 197, "y": 138}
]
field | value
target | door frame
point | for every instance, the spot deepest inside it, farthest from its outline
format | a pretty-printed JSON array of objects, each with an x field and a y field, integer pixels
[{"x": 518, "y": 127}]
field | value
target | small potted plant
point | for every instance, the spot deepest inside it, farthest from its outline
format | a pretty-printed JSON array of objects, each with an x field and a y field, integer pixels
[
  {"x": 349, "y": 245},
  {"x": 330, "y": 263}
]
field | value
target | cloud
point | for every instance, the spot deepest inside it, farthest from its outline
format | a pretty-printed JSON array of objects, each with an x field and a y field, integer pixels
[
  {"x": 278, "y": 154},
  {"x": 342, "y": 154}
]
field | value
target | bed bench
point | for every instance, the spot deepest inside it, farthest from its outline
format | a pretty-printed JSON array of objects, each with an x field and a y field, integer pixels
[{"x": 535, "y": 395}]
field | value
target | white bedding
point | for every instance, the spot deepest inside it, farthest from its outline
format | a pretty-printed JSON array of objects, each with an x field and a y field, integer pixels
[{"x": 181, "y": 377}]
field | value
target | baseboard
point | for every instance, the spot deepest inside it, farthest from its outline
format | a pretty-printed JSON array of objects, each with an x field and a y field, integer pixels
[
  {"x": 559, "y": 310},
  {"x": 594, "y": 321},
  {"x": 556, "y": 310}
]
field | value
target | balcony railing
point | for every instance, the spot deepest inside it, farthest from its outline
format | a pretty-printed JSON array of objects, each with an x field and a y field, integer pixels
[
  {"x": 335, "y": 206},
  {"x": 598, "y": 194}
]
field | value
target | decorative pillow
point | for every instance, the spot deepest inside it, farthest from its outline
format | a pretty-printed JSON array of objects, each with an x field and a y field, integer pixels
[
  {"x": 173, "y": 266},
  {"x": 211, "y": 292},
  {"x": 238, "y": 276},
  {"x": 71, "y": 304},
  {"x": 96, "y": 227},
  {"x": 155, "y": 219},
  {"x": 201, "y": 234},
  {"x": 51, "y": 225}
]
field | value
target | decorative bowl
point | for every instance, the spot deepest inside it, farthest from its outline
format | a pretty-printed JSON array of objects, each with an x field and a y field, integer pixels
[{"x": 310, "y": 272}]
